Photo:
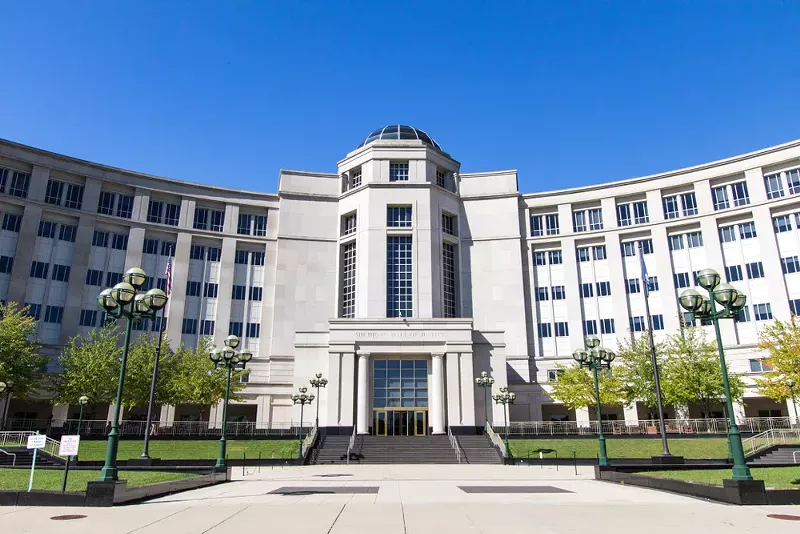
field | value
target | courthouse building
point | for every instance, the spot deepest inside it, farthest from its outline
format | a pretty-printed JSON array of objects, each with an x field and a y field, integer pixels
[{"x": 400, "y": 278}]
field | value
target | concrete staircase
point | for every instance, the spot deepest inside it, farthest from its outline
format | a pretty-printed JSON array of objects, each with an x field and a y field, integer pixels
[
  {"x": 330, "y": 449},
  {"x": 478, "y": 450},
  {"x": 25, "y": 457},
  {"x": 404, "y": 450},
  {"x": 781, "y": 454}
]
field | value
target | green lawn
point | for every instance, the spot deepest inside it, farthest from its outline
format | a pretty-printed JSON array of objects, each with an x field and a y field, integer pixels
[
  {"x": 619, "y": 447},
  {"x": 773, "y": 477},
  {"x": 50, "y": 479},
  {"x": 192, "y": 449}
]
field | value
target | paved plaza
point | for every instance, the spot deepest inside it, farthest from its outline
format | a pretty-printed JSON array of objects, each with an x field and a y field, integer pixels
[{"x": 410, "y": 499}]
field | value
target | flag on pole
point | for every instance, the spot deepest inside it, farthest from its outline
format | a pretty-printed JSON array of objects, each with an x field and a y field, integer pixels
[
  {"x": 645, "y": 278},
  {"x": 167, "y": 291}
]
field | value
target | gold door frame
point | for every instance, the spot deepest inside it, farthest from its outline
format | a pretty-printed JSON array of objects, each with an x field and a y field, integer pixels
[{"x": 416, "y": 424}]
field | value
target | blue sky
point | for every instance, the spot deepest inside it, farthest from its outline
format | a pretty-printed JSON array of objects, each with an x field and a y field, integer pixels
[{"x": 568, "y": 93}]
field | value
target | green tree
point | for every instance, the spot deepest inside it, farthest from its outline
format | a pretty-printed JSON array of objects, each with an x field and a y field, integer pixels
[
  {"x": 20, "y": 361},
  {"x": 692, "y": 373},
  {"x": 90, "y": 366},
  {"x": 635, "y": 370},
  {"x": 781, "y": 341},
  {"x": 575, "y": 388},
  {"x": 139, "y": 373}
]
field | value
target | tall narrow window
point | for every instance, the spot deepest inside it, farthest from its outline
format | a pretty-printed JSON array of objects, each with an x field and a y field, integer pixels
[
  {"x": 551, "y": 222},
  {"x": 52, "y": 194},
  {"x": 20, "y": 181},
  {"x": 105, "y": 204},
  {"x": 398, "y": 216},
  {"x": 155, "y": 211},
  {"x": 243, "y": 226},
  {"x": 640, "y": 215},
  {"x": 774, "y": 185},
  {"x": 399, "y": 290},
  {"x": 125, "y": 206},
  {"x": 398, "y": 172},
  {"x": 349, "y": 279},
  {"x": 450, "y": 287},
  {"x": 449, "y": 224},
  {"x": 689, "y": 204},
  {"x": 74, "y": 197},
  {"x": 349, "y": 223}
]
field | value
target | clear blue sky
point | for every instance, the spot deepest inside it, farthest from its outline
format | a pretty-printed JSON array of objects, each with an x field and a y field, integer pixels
[{"x": 568, "y": 93}]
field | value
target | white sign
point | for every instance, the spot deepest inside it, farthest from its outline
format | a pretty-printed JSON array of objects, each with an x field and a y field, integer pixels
[
  {"x": 37, "y": 441},
  {"x": 69, "y": 445}
]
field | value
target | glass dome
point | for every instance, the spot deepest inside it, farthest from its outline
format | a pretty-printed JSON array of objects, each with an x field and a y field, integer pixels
[{"x": 400, "y": 131}]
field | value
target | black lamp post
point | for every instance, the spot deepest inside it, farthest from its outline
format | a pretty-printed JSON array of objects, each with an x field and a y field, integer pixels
[
  {"x": 790, "y": 383},
  {"x": 3, "y": 387},
  {"x": 229, "y": 360},
  {"x": 485, "y": 381},
  {"x": 505, "y": 398},
  {"x": 82, "y": 401},
  {"x": 302, "y": 399},
  {"x": 318, "y": 382},
  {"x": 596, "y": 358},
  {"x": 732, "y": 301},
  {"x": 123, "y": 302}
]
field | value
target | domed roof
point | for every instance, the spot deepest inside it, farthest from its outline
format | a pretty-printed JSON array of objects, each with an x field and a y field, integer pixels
[{"x": 399, "y": 131}]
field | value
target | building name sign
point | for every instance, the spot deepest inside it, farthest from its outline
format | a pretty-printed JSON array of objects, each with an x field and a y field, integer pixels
[{"x": 401, "y": 334}]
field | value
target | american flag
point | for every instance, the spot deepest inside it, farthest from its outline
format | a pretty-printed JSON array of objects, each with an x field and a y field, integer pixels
[
  {"x": 645, "y": 277},
  {"x": 168, "y": 276}
]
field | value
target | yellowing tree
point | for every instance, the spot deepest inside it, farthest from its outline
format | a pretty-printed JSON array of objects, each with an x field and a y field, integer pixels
[
  {"x": 575, "y": 388},
  {"x": 781, "y": 340}
]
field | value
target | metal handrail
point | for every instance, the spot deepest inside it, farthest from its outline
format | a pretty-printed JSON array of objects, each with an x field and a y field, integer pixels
[
  {"x": 768, "y": 438},
  {"x": 20, "y": 439},
  {"x": 13, "y": 460},
  {"x": 647, "y": 427},
  {"x": 454, "y": 443},
  {"x": 497, "y": 441},
  {"x": 351, "y": 444},
  {"x": 309, "y": 441}
]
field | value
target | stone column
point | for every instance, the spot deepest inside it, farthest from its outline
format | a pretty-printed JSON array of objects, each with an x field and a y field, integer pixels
[
  {"x": 790, "y": 406},
  {"x": 631, "y": 414},
  {"x": 362, "y": 397},
  {"x": 582, "y": 417},
  {"x": 436, "y": 393},
  {"x": 60, "y": 414},
  {"x": 738, "y": 412}
]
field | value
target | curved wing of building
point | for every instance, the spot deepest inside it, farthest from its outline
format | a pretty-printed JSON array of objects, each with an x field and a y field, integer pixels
[{"x": 399, "y": 278}]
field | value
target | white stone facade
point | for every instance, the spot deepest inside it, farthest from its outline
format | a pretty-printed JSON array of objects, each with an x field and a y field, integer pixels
[{"x": 398, "y": 257}]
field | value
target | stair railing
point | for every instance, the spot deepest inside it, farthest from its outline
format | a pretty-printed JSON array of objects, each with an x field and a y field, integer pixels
[
  {"x": 497, "y": 441},
  {"x": 13, "y": 459},
  {"x": 351, "y": 444},
  {"x": 454, "y": 443},
  {"x": 309, "y": 441},
  {"x": 768, "y": 438}
]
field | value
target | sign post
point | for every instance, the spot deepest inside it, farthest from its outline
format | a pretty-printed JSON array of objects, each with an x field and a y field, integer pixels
[
  {"x": 68, "y": 448},
  {"x": 35, "y": 442}
]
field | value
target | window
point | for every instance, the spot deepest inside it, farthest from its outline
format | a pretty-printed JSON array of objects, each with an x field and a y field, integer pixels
[
  {"x": 88, "y": 317},
  {"x": 694, "y": 239},
  {"x": 450, "y": 294},
  {"x": 537, "y": 225},
  {"x": 774, "y": 185},
  {"x": 557, "y": 293},
  {"x": 256, "y": 293},
  {"x": 539, "y": 258},
  {"x": 34, "y": 310},
  {"x": 671, "y": 207},
  {"x": 583, "y": 254},
  {"x": 39, "y": 269},
  {"x": 3, "y": 177},
  {"x": 603, "y": 289},
  {"x": 675, "y": 242},
  {"x": 640, "y": 215},
  {"x": 206, "y": 327},
  {"x": 189, "y": 326},
  {"x": 599, "y": 252},
  {"x": 762, "y": 312},
  {"x": 541, "y": 294},
  {"x": 155, "y": 211},
  {"x": 197, "y": 252},
  {"x": 349, "y": 279},
  {"x": 551, "y": 224},
  {"x": 579, "y": 221},
  {"x": 168, "y": 248},
  {"x": 67, "y": 232},
  {"x": 210, "y": 290},
  {"x": 782, "y": 223},
  {"x": 61, "y": 273},
  {"x": 628, "y": 249},
  {"x": 727, "y": 234},
  {"x": 125, "y": 206},
  {"x": 47, "y": 229},
  {"x": 238, "y": 292},
  {"x": 658, "y": 322},
  {"x": 119, "y": 242},
  {"x": 253, "y": 329},
  {"x": 19, "y": 184},
  {"x": 720, "y": 197},
  {"x": 53, "y": 192},
  {"x": 553, "y": 374},
  {"x": 681, "y": 280},
  {"x": 398, "y": 172},
  {"x": 790, "y": 264},
  {"x": 607, "y": 326},
  {"x": 747, "y": 230},
  {"x": 743, "y": 316},
  {"x": 53, "y": 314},
  {"x": 545, "y": 330},
  {"x": 632, "y": 285},
  {"x": 561, "y": 328},
  {"x": 759, "y": 366},
  {"x": 161, "y": 283},
  {"x": 257, "y": 258},
  {"x": 349, "y": 224},
  {"x": 192, "y": 288},
  {"x": 755, "y": 270},
  {"x": 217, "y": 220},
  {"x": 689, "y": 204},
  {"x": 399, "y": 290},
  {"x": 623, "y": 214},
  {"x": 590, "y": 327},
  {"x": 595, "y": 219},
  {"x": 113, "y": 279},
  {"x": 793, "y": 180},
  {"x": 150, "y": 246},
  {"x": 11, "y": 222},
  {"x": 741, "y": 197},
  {"x": 647, "y": 246},
  {"x": 355, "y": 177},
  {"x": 105, "y": 204},
  {"x": 94, "y": 277},
  {"x": 449, "y": 224},
  {"x": 398, "y": 216},
  {"x": 541, "y": 224},
  {"x": 555, "y": 257},
  {"x": 441, "y": 177},
  {"x": 214, "y": 254},
  {"x": 794, "y": 306},
  {"x": 638, "y": 324},
  {"x": 733, "y": 273},
  {"x": 652, "y": 283},
  {"x": 259, "y": 225},
  {"x": 6, "y": 264},
  {"x": 172, "y": 214},
  {"x": 587, "y": 290},
  {"x": 100, "y": 239},
  {"x": 74, "y": 198},
  {"x": 201, "y": 219},
  {"x": 235, "y": 328}
]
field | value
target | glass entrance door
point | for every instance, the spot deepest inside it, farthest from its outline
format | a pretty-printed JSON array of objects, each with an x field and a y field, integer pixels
[{"x": 400, "y": 422}]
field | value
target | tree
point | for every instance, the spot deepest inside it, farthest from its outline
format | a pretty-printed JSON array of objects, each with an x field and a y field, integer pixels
[
  {"x": 781, "y": 340},
  {"x": 635, "y": 370},
  {"x": 575, "y": 388},
  {"x": 693, "y": 374},
  {"x": 139, "y": 373},
  {"x": 20, "y": 362},
  {"x": 90, "y": 366}
]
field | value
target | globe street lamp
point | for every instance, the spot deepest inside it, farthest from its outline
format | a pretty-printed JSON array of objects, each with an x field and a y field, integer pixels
[
  {"x": 596, "y": 358},
  {"x": 505, "y": 398},
  {"x": 790, "y": 383},
  {"x": 123, "y": 301},
  {"x": 485, "y": 381},
  {"x": 229, "y": 360},
  {"x": 302, "y": 399},
  {"x": 318, "y": 382},
  {"x": 732, "y": 300}
]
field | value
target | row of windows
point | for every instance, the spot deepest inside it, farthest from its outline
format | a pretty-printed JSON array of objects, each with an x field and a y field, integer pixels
[
  {"x": 109, "y": 201},
  {"x": 252, "y": 225},
  {"x": 634, "y": 285},
  {"x": 351, "y": 179},
  {"x": 118, "y": 241},
  {"x": 774, "y": 183},
  {"x": 691, "y": 240},
  {"x": 151, "y": 246},
  {"x": 754, "y": 270},
  {"x": 588, "y": 289},
  {"x": 255, "y": 257},
  {"x": 207, "y": 326},
  {"x": 639, "y": 211},
  {"x": 560, "y": 328},
  {"x": 163, "y": 213},
  {"x": 52, "y": 314},
  {"x": 54, "y": 194},
  {"x": 17, "y": 181},
  {"x": 544, "y": 293},
  {"x": 676, "y": 205},
  {"x": 40, "y": 269},
  {"x": 209, "y": 219},
  {"x": 737, "y": 191},
  {"x": 591, "y": 219},
  {"x": 201, "y": 252},
  {"x": 598, "y": 253},
  {"x": 746, "y": 230},
  {"x": 11, "y": 222},
  {"x": 255, "y": 293},
  {"x": 66, "y": 232},
  {"x": 236, "y": 328}
]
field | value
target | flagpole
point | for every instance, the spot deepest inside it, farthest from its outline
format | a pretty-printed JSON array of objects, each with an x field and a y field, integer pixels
[{"x": 653, "y": 359}]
